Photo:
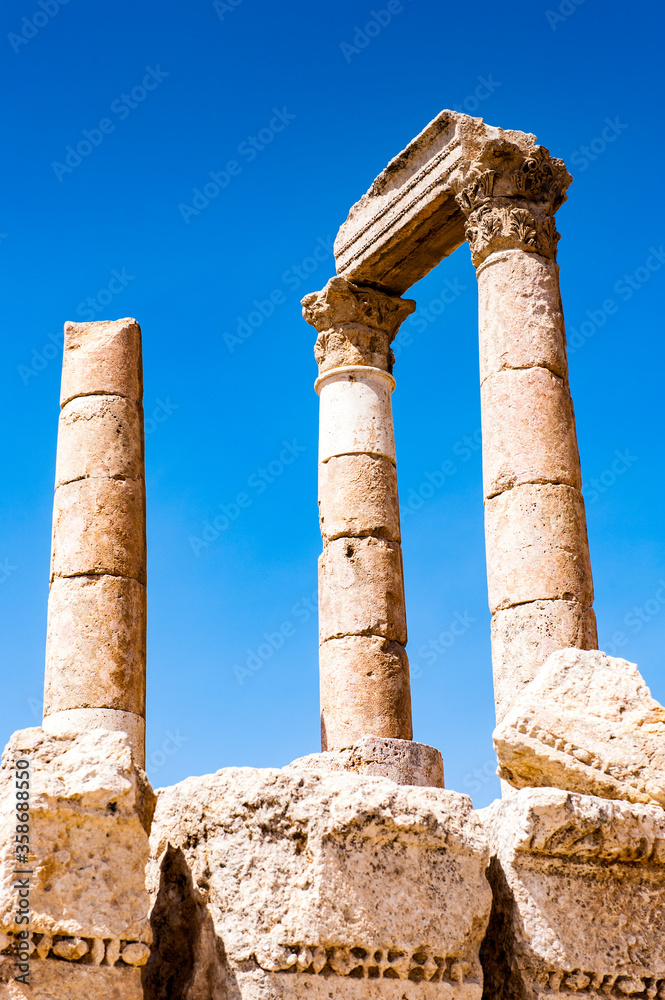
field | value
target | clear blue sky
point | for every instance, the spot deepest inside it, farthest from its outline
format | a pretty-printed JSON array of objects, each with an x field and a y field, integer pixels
[{"x": 328, "y": 107}]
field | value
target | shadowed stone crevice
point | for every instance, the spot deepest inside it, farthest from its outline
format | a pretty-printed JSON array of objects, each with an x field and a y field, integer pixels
[{"x": 187, "y": 961}]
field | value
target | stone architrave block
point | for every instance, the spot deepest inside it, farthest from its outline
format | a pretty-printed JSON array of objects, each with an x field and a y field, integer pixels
[
  {"x": 579, "y": 898},
  {"x": 99, "y": 527},
  {"x": 100, "y": 437},
  {"x": 358, "y": 496},
  {"x": 520, "y": 316},
  {"x": 90, "y": 814},
  {"x": 528, "y": 431},
  {"x": 96, "y": 644},
  {"x": 102, "y": 358},
  {"x": 586, "y": 723},
  {"x": 365, "y": 689},
  {"x": 285, "y": 884},
  {"x": 361, "y": 589},
  {"x": 525, "y": 635},
  {"x": 537, "y": 547}
]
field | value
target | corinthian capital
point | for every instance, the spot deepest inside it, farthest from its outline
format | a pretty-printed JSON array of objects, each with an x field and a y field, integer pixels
[
  {"x": 509, "y": 197},
  {"x": 356, "y": 325}
]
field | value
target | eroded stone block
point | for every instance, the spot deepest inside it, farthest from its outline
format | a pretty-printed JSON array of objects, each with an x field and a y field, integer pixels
[
  {"x": 90, "y": 812},
  {"x": 520, "y": 317},
  {"x": 103, "y": 357},
  {"x": 537, "y": 546},
  {"x": 358, "y": 496},
  {"x": 586, "y": 723},
  {"x": 579, "y": 898},
  {"x": 319, "y": 885},
  {"x": 95, "y": 644},
  {"x": 99, "y": 527},
  {"x": 525, "y": 635},
  {"x": 528, "y": 431},
  {"x": 361, "y": 589},
  {"x": 365, "y": 690},
  {"x": 100, "y": 437},
  {"x": 403, "y": 761}
]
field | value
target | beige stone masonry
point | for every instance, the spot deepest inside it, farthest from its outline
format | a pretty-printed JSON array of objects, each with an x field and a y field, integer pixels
[
  {"x": 403, "y": 761},
  {"x": 363, "y": 677},
  {"x": 90, "y": 815},
  {"x": 523, "y": 637},
  {"x": 100, "y": 437},
  {"x": 579, "y": 898},
  {"x": 537, "y": 546},
  {"x": 358, "y": 496},
  {"x": 586, "y": 723},
  {"x": 364, "y": 672},
  {"x": 528, "y": 431},
  {"x": 95, "y": 656},
  {"x": 286, "y": 884}
]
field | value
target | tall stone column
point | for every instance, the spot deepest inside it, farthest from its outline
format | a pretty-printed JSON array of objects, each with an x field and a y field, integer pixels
[
  {"x": 96, "y": 645},
  {"x": 538, "y": 567},
  {"x": 364, "y": 672}
]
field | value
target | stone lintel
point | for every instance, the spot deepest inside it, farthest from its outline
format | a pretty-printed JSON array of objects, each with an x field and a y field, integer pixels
[{"x": 410, "y": 219}]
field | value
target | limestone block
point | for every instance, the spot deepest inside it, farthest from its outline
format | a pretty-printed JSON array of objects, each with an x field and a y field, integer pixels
[
  {"x": 528, "y": 431},
  {"x": 90, "y": 812},
  {"x": 344, "y": 306},
  {"x": 586, "y": 723},
  {"x": 403, "y": 761},
  {"x": 317, "y": 885},
  {"x": 361, "y": 589},
  {"x": 95, "y": 644},
  {"x": 525, "y": 635},
  {"x": 356, "y": 414},
  {"x": 102, "y": 358},
  {"x": 520, "y": 316},
  {"x": 99, "y": 527},
  {"x": 358, "y": 496},
  {"x": 100, "y": 437},
  {"x": 365, "y": 690},
  {"x": 579, "y": 898},
  {"x": 58, "y": 980},
  {"x": 68, "y": 720},
  {"x": 537, "y": 547}
]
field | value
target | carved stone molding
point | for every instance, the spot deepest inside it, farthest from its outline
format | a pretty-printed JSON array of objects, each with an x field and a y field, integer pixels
[
  {"x": 509, "y": 198},
  {"x": 356, "y": 324}
]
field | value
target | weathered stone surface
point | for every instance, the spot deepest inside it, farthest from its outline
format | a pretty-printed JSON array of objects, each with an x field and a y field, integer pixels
[
  {"x": 528, "y": 431},
  {"x": 102, "y": 357},
  {"x": 356, "y": 414},
  {"x": 358, "y": 496},
  {"x": 90, "y": 812},
  {"x": 459, "y": 178},
  {"x": 520, "y": 316},
  {"x": 361, "y": 589},
  {"x": 100, "y": 437},
  {"x": 317, "y": 884},
  {"x": 99, "y": 527},
  {"x": 365, "y": 690},
  {"x": 525, "y": 635},
  {"x": 58, "y": 980},
  {"x": 343, "y": 305},
  {"x": 586, "y": 723},
  {"x": 77, "y": 720},
  {"x": 537, "y": 547},
  {"x": 403, "y": 761},
  {"x": 95, "y": 644},
  {"x": 579, "y": 898}
]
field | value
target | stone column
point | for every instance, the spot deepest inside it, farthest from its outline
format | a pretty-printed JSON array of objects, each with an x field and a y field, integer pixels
[
  {"x": 96, "y": 646},
  {"x": 364, "y": 670},
  {"x": 538, "y": 567}
]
